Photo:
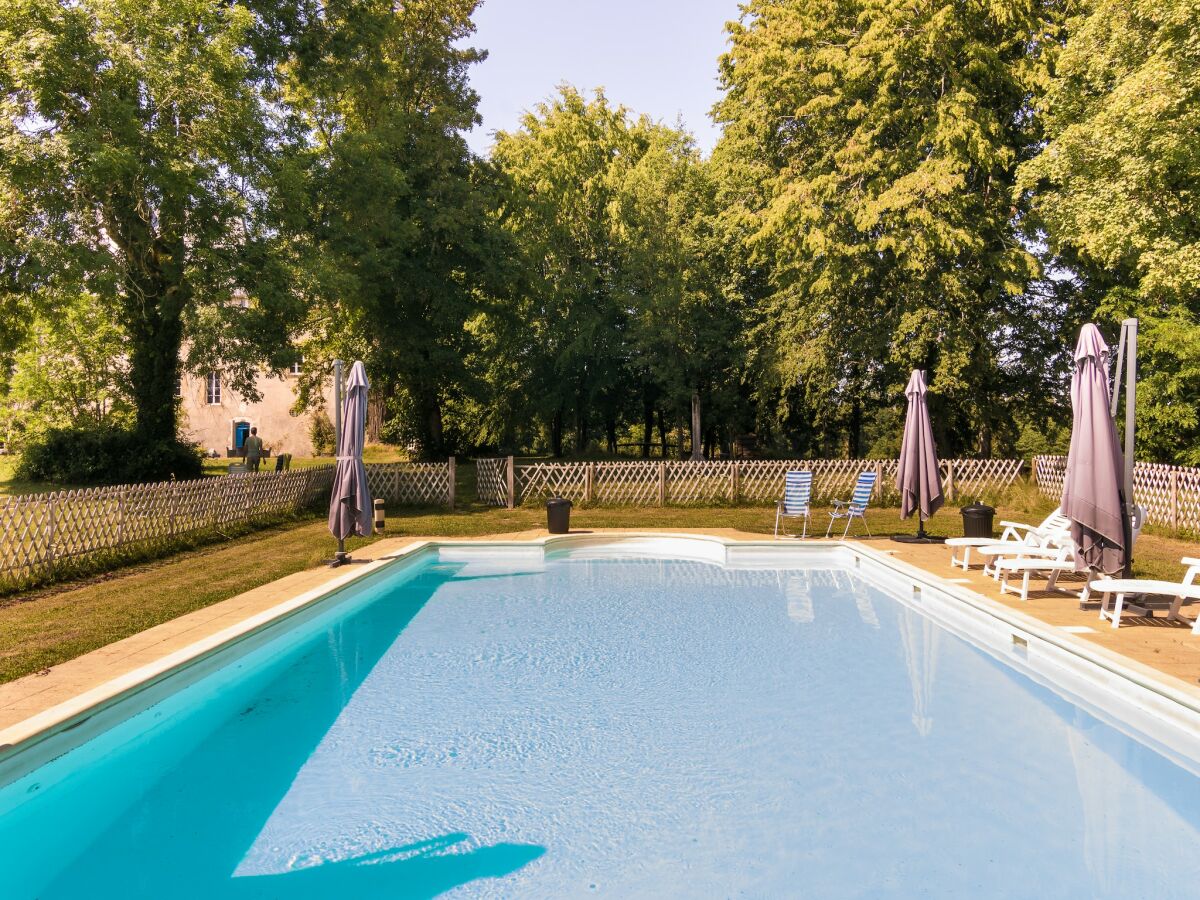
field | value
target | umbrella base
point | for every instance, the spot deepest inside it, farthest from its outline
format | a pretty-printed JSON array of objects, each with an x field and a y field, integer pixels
[
  {"x": 918, "y": 539},
  {"x": 341, "y": 558}
]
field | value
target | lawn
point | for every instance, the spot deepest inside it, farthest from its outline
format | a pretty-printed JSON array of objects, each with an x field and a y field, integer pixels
[{"x": 42, "y": 628}]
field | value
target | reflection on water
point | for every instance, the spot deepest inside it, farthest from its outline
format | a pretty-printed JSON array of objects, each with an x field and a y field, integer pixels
[{"x": 641, "y": 727}]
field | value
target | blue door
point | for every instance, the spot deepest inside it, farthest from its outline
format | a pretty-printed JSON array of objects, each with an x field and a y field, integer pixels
[{"x": 240, "y": 432}]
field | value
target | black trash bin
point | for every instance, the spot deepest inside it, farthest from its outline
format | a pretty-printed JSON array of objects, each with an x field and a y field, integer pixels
[
  {"x": 558, "y": 515},
  {"x": 977, "y": 520}
]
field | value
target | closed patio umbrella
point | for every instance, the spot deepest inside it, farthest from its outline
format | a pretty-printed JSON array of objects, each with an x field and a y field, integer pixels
[
  {"x": 350, "y": 502},
  {"x": 1093, "y": 498},
  {"x": 918, "y": 477}
]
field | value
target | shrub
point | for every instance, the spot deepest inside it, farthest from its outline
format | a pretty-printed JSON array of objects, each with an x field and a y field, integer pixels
[
  {"x": 322, "y": 434},
  {"x": 105, "y": 456}
]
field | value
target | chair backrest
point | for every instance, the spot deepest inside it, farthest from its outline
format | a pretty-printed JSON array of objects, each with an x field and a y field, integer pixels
[
  {"x": 797, "y": 491},
  {"x": 1056, "y": 521},
  {"x": 862, "y": 491}
]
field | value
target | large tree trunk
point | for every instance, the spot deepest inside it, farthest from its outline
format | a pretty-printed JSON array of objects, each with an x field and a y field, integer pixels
[
  {"x": 610, "y": 432},
  {"x": 556, "y": 433},
  {"x": 854, "y": 431},
  {"x": 376, "y": 411},
  {"x": 647, "y": 424},
  {"x": 581, "y": 427},
  {"x": 662, "y": 432},
  {"x": 697, "y": 434},
  {"x": 433, "y": 441},
  {"x": 154, "y": 325}
]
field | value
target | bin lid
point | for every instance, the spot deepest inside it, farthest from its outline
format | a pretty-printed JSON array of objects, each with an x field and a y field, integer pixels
[{"x": 977, "y": 509}]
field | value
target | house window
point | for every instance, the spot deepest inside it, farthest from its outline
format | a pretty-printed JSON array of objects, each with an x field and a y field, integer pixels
[
  {"x": 179, "y": 386},
  {"x": 213, "y": 390},
  {"x": 295, "y": 369}
]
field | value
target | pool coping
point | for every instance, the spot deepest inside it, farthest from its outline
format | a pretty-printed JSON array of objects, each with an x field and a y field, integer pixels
[{"x": 1179, "y": 702}]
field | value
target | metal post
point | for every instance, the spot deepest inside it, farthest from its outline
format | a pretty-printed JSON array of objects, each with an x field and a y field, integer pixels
[
  {"x": 452, "y": 479},
  {"x": 1130, "y": 405},
  {"x": 337, "y": 435},
  {"x": 511, "y": 478},
  {"x": 697, "y": 452}
]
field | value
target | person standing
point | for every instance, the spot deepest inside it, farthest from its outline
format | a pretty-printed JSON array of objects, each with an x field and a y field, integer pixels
[{"x": 252, "y": 450}]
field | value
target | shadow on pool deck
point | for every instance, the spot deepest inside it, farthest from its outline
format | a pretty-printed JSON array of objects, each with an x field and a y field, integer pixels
[{"x": 423, "y": 869}]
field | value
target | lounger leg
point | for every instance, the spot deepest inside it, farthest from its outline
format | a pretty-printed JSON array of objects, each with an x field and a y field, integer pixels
[
  {"x": 849, "y": 519},
  {"x": 1025, "y": 587},
  {"x": 804, "y": 528},
  {"x": 1116, "y": 616},
  {"x": 830, "y": 526},
  {"x": 1052, "y": 581},
  {"x": 777, "y": 523},
  {"x": 866, "y": 526}
]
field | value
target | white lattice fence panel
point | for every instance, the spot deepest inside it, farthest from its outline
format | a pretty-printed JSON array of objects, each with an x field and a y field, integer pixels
[
  {"x": 40, "y": 532},
  {"x": 1050, "y": 472},
  {"x": 491, "y": 481},
  {"x": 539, "y": 481},
  {"x": 626, "y": 483},
  {"x": 1189, "y": 500},
  {"x": 415, "y": 483},
  {"x": 1152, "y": 488},
  {"x": 981, "y": 477},
  {"x": 699, "y": 482}
]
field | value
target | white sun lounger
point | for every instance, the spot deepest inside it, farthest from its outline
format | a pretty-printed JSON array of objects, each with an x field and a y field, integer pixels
[
  {"x": 1121, "y": 588},
  {"x": 1063, "y": 560},
  {"x": 1015, "y": 534}
]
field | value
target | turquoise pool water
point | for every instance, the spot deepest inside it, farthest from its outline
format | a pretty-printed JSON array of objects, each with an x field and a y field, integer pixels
[{"x": 620, "y": 727}]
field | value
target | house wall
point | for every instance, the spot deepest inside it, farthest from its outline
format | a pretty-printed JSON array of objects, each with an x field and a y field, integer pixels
[{"x": 212, "y": 425}]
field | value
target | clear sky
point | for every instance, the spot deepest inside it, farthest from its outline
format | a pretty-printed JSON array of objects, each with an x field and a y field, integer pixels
[{"x": 657, "y": 57}]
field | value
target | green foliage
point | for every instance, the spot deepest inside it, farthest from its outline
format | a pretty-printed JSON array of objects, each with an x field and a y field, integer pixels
[
  {"x": 395, "y": 212},
  {"x": 875, "y": 145},
  {"x": 69, "y": 371},
  {"x": 101, "y": 455},
  {"x": 1116, "y": 189},
  {"x": 138, "y": 139},
  {"x": 627, "y": 308},
  {"x": 321, "y": 432}
]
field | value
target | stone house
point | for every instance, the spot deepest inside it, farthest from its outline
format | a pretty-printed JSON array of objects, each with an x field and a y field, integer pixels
[{"x": 219, "y": 420}]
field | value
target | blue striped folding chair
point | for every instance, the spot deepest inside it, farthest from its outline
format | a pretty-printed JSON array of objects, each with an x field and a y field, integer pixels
[
  {"x": 856, "y": 506},
  {"x": 797, "y": 490}
]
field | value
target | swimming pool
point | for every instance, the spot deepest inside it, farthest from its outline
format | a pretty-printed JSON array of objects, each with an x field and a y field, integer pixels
[{"x": 500, "y": 722}]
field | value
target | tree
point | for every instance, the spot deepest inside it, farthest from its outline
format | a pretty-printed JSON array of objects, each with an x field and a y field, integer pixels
[
  {"x": 1116, "y": 188},
  {"x": 398, "y": 216},
  {"x": 875, "y": 145},
  {"x": 68, "y": 372},
  {"x": 137, "y": 139}
]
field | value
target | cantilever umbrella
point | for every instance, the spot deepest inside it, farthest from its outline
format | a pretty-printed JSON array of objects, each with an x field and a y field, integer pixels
[
  {"x": 350, "y": 503},
  {"x": 1093, "y": 496},
  {"x": 918, "y": 477}
]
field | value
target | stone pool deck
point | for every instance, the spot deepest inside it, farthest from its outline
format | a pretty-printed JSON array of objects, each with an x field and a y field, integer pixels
[{"x": 1168, "y": 647}]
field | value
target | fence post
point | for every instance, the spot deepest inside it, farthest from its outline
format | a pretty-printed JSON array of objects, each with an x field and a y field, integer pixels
[
  {"x": 512, "y": 495},
  {"x": 950, "y": 480},
  {"x": 877, "y": 488},
  {"x": 589, "y": 483},
  {"x": 1174, "y": 499},
  {"x": 450, "y": 488},
  {"x": 735, "y": 481},
  {"x": 121, "y": 516},
  {"x": 662, "y": 483},
  {"x": 50, "y": 505}
]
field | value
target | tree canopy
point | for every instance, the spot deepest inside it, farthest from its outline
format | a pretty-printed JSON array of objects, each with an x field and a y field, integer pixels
[{"x": 952, "y": 186}]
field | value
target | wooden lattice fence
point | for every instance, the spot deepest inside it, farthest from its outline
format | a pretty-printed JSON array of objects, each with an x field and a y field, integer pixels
[
  {"x": 502, "y": 482},
  {"x": 45, "y": 534},
  {"x": 1169, "y": 494},
  {"x": 492, "y": 482},
  {"x": 418, "y": 484}
]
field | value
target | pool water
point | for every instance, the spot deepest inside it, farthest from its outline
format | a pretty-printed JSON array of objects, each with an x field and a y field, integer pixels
[{"x": 629, "y": 727}]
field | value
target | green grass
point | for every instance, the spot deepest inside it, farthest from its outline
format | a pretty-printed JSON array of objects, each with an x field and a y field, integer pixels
[{"x": 39, "y": 629}]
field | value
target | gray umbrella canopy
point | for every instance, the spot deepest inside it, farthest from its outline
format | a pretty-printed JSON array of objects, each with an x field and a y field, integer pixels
[
  {"x": 350, "y": 504},
  {"x": 918, "y": 477},
  {"x": 1095, "y": 467}
]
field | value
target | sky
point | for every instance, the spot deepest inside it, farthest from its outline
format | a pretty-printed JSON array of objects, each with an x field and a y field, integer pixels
[{"x": 657, "y": 57}]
